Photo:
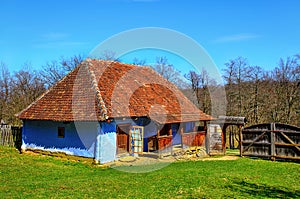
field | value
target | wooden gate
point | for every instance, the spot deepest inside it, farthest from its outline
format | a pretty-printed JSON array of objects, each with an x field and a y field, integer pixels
[{"x": 271, "y": 141}]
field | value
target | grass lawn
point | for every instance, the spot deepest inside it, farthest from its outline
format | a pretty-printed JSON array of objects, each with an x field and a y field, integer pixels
[{"x": 28, "y": 176}]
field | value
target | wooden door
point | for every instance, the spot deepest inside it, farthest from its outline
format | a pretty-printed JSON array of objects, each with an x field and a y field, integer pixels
[
  {"x": 136, "y": 139},
  {"x": 123, "y": 138}
]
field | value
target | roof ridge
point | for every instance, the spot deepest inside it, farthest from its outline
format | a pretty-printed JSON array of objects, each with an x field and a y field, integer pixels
[{"x": 100, "y": 101}]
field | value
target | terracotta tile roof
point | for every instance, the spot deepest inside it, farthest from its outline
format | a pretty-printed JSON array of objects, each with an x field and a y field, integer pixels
[{"x": 98, "y": 90}]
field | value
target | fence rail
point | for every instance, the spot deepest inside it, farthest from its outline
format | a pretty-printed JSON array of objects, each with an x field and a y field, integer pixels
[
  {"x": 274, "y": 141},
  {"x": 11, "y": 136}
]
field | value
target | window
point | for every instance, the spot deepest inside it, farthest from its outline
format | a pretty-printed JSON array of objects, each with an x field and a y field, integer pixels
[{"x": 61, "y": 132}]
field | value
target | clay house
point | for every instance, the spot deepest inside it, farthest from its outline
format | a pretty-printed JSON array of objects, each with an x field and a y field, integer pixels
[{"x": 104, "y": 108}]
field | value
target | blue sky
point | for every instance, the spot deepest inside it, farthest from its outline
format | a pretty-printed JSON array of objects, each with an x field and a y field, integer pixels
[{"x": 262, "y": 31}]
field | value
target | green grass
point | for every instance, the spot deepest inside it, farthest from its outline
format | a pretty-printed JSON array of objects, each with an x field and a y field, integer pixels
[{"x": 28, "y": 176}]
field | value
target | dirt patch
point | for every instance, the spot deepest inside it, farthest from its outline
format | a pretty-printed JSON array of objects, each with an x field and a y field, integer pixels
[
  {"x": 58, "y": 155},
  {"x": 141, "y": 160},
  {"x": 226, "y": 157}
]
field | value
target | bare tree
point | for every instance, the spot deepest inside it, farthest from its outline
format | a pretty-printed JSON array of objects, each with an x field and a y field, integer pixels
[
  {"x": 254, "y": 96},
  {"x": 199, "y": 84},
  {"x": 5, "y": 80},
  {"x": 109, "y": 55},
  {"x": 235, "y": 74},
  {"x": 194, "y": 79},
  {"x": 168, "y": 71},
  {"x": 54, "y": 71},
  {"x": 24, "y": 87},
  {"x": 286, "y": 89},
  {"x": 70, "y": 63},
  {"x": 264, "y": 96},
  {"x": 139, "y": 62},
  {"x": 163, "y": 67}
]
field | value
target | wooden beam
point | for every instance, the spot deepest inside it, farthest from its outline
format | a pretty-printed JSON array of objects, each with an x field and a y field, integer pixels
[
  {"x": 272, "y": 138},
  {"x": 285, "y": 144},
  {"x": 288, "y": 157},
  {"x": 291, "y": 141},
  {"x": 241, "y": 140},
  {"x": 224, "y": 137}
]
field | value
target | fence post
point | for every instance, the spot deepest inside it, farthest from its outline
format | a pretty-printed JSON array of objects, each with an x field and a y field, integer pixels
[
  {"x": 207, "y": 140},
  {"x": 272, "y": 138},
  {"x": 241, "y": 140}
]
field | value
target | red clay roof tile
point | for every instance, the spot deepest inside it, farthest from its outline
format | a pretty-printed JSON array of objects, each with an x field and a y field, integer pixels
[{"x": 97, "y": 90}]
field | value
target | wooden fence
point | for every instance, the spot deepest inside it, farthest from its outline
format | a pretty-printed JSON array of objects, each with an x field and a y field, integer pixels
[
  {"x": 11, "y": 136},
  {"x": 274, "y": 141}
]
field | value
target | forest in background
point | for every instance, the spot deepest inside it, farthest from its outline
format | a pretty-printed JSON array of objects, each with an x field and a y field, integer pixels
[{"x": 252, "y": 92}]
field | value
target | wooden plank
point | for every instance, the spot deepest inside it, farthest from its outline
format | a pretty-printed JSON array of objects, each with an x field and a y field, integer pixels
[
  {"x": 275, "y": 131},
  {"x": 272, "y": 135},
  {"x": 291, "y": 141},
  {"x": 241, "y": 140},
  {"x": 255, "y": 140},
  {"x": 257, "y": 155},
  {"x": 257, "y": 143},
  {"x": 207, "y": 141},
  {"x": 255, "y": 130},
  {"x": 285, "y": 144},
  {"x": 287, "y": 157},
  {"x": 287, "y": 131}
]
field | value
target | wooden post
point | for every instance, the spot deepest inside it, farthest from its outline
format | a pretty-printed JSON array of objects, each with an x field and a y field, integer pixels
[
  {"x": 224, "y": 138},
  {"x": 272, "y": 138},
  {"x": 207, "y": 141},
  {"x": 157, "y": 138},
  {"x": 181, "y": 135},
  {"x": 170, "y": 133},
  {"x": 241, "y": 140}
]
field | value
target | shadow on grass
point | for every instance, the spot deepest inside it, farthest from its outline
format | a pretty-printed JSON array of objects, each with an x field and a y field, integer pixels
[{"x": 261, "y": 190}]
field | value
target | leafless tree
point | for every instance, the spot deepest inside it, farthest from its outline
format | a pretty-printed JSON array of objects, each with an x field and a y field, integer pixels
[
  {"x": 139, "y": 62},
  {"x": 5, "y": 80},
  {"x": 109, "y": 55},
  {"x": 168, "y": 71},
  {"x": 72, "y": 62},
  {"x": 253, "y": 94},
  {"x": 234, "y": 75},
  {"x": 18, "y": 91},
  {"x": 55, "y": 70},
  {"x": 264, "y": 96},
  {"x": 199, "y": 83},
  {"x": 286, "y": 89}
]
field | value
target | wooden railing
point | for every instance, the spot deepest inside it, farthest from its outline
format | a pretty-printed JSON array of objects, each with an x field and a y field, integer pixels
[{"x": 193, "y": 138}]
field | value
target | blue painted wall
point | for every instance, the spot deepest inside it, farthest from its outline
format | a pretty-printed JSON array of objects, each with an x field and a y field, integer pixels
[
  {"x": 89, "y": 139},
  {"x": 176, "y": 134},
  {"x": 79, "y": 137},
  {"x": 106, "y": 143}
]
